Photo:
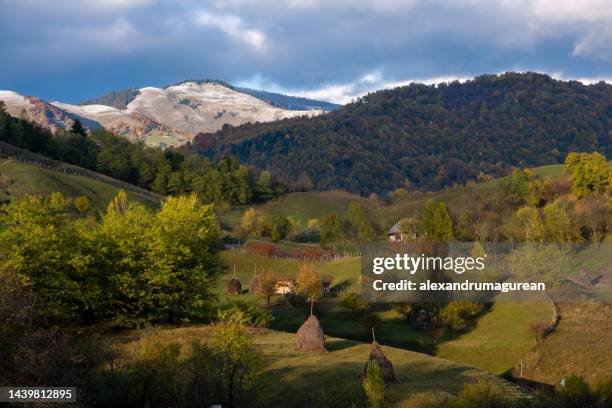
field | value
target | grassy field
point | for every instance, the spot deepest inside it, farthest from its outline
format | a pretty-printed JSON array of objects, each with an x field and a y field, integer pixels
[
  {"x": 581, "y": 344},
  {"x": 500, "y": 338},
  {"x": 302, "y": 205},
  {"x": 317, "y": 204},
  {"x": 31, "y": 179},
  {"x": 309, "y": 379}
]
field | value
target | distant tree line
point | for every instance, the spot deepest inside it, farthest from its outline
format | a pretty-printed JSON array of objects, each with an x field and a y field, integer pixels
[
  {"x": 427, "y": 137},
  {"x": 165, "y": 172}
]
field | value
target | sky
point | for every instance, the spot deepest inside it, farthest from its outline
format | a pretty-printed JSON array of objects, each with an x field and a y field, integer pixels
[{"x": 335, "y": 50}]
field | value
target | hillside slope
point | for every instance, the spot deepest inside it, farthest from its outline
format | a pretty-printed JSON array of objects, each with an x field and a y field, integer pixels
[
  {"x": 334, "y": 379},
  {"x": 429, "y": 136},
  {"x": 24, "y": 172}
]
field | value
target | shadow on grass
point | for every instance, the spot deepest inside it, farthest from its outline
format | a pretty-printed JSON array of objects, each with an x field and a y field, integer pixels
[{"x": 335, "y": 345}]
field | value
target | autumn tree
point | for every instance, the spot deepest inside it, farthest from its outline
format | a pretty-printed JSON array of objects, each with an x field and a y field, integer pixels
[
  {"x": 267, "y": 285},
  {"x": 525, "y": 225},
  {"x": 251, "y": 224},
  {"x": 591, "y": 172},
  {"x": 81, "y": 203},
  {"x": 308, "y": 283},
  {"x": 594, "y": 214},
  {"x": 559, "y": 223}
]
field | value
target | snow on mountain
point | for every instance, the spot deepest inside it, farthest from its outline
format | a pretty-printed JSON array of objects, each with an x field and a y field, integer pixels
[
  {"x": 41, "y": 112},
  {"x": 132, "y": 125},
  {"x": 193, "y": 107},
  {"x": 164, "y": 117}
]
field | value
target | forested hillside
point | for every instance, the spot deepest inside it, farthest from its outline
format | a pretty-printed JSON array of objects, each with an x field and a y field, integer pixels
[
  {"x": 428, "y": 137},
  {"x": 164, "y": 172}
]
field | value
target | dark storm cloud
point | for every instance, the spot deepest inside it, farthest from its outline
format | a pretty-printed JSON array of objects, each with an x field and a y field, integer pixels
[{"x": 334, "y": 49}]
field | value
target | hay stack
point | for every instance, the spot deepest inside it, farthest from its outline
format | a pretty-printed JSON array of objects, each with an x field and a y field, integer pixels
[
  {"x": 383, "y": 362},
  {"x": 310, "y": 336},
  {"x": 255, "y": 287},
  {"x": 234, "y": 287}
]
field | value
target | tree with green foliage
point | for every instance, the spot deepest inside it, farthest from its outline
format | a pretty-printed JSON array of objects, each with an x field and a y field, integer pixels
[
  {"x": 518, "y": 187},
  {"x": 263, "y": 186},
  {"x": 331, "y": 230},
  {"x": 130, "y": 266},
  {"x": 360, "y": 222},
  {"x": 591, "y": 173},
  {"x": 437, "y": 224},
  {"x": 373, "y": 385},
  {"x": 458, "y": 315},
  {"x": 537, "y": 262},
  {"x": 240, "y": 363},
  {"x": 525, "y": 225},
  {"x": 559, "y": 223},
  {"x": 354, "y": 302}
]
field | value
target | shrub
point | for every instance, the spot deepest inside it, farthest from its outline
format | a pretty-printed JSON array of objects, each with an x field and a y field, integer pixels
[
  {"x": 255, "y": 315},
  {"x": 538, "y": 329},
  {"x": 354, "y": 302},
  {"x": 459, "y": 315},
  {"x": 373, "y": 385},
  {"x": 156, "y": 372},
  {"x": 603, "y": 392},
  {"x": 480, "y": 394},
  {"x": 575, "y": 392}
]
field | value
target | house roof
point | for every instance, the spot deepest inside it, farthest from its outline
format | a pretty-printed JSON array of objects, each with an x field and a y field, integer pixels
[{"x": 396, "y": 229}]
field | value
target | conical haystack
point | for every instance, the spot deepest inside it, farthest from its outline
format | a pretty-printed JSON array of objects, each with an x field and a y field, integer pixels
[
  {"x": 234, "y": 287},
  {"x": 383, "y": 362},
  {"x": 310, "y": 336},
  {"x": 255, "y": 287}
]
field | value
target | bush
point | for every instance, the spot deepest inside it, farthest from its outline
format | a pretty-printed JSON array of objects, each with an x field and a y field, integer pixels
[
  {"x": 460, "y": 315},
  {"x": 575, "y": 392},
  {"x": 156, "y": 372},
  {"x": 354, "y": 302},
  {"x": 373, "y": 385},
  {"x": 255, "y": 315},
  {"x": 538, "y": 329},
  {"x": 603, "y": 392},
  {"x": 480, "y": 394}
]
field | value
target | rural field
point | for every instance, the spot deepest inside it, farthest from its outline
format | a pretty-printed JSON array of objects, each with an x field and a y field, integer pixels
[
  {"x": 297, "y": 379},
  {"x": 241, "y": 204}
]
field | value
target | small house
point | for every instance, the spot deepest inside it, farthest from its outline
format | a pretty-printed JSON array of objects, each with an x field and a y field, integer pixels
[
  {"x": 285, "y": 287},
  {"x": 398, "y": 232}
]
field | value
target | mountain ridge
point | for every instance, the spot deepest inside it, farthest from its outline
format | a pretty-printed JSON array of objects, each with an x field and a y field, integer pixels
[
  {"x": 428, "y": 137},
  {"x": 166, "y": 117}
]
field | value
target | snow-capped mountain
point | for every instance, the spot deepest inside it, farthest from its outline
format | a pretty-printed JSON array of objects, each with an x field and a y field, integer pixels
[
  {"x": 168, "y": 116},
  {"x": 41, "y": 112}
]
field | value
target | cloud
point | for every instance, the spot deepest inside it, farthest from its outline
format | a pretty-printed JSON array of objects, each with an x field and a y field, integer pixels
[
  {"x": 234, "y": 27},
  {"x": 332, "y": 49},
  {"x": 345, "y": 92}
]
